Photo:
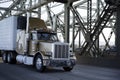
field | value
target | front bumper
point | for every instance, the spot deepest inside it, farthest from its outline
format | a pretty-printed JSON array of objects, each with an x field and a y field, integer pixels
[{"x": 59, "y": 63}]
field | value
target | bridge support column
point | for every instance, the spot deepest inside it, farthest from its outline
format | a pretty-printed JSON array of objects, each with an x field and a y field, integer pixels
[{"x": 117, "y": 40}]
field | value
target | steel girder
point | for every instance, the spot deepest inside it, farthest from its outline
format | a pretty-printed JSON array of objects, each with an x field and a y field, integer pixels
[
  {"x": 16, "y": 3},
  {"x": 79, "y": 23}
]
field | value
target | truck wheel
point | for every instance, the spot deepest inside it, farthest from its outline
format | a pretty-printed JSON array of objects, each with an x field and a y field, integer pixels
[
  {"x": 68, "y": 68},
  {"x": 39, "y": 63},
  {"x": 10, "y": 58},
  {"x": 4, "y": 57}
]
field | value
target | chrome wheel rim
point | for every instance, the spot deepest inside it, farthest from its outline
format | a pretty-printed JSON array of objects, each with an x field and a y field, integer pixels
[
  {"x": 4, "y": 57},
  {"x": 8, "y": 57},
  {"x": 38, "y": 63}
]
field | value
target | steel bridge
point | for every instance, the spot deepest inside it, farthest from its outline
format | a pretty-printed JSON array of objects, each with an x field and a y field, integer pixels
[{"x": 82, "y": 23}]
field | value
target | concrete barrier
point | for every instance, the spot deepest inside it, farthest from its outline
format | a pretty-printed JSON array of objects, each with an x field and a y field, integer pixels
[{"x": 109, "y": 61}]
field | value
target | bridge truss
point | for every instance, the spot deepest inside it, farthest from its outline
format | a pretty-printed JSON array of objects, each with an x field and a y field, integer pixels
[{"x": 82, "y": 23}]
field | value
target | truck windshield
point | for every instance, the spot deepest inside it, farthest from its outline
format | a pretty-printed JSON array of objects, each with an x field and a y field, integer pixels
[{"x": 47, "y": 36}]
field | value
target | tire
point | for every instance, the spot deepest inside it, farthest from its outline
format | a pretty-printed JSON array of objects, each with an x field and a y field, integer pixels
[
  {"x": 38, "y": 63},
  {"x": 67, "y": 68},
  {"x": 4, "y": 57},
  {"x": 11, "y": 58}
]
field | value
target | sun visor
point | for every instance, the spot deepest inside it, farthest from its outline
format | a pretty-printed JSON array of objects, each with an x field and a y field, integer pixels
[{"x": 36, "y": 23}]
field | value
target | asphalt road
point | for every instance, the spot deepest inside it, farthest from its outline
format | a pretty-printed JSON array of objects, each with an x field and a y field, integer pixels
[{"x": 80, "y": 72}]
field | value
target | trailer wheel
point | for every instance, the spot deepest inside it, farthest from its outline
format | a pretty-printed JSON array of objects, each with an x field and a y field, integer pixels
[
  {"x": 68, "y": 68},
  {"x": 10, "y": 58},
  {"x": 4, "y": 57},
  {"x": 39, "y": 63}
]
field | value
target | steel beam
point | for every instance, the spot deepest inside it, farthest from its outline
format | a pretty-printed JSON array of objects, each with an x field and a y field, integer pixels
[
  {"x": 34, "y": 7},
  {"x": 4, "y": 9},
  {"x": 117, "y": 41},
  {"x": 49, "y": 15},
  {"x": 67, "y": 22},
  {"x": 65, "y": 1},
  {"x": 10, "y": 8}
]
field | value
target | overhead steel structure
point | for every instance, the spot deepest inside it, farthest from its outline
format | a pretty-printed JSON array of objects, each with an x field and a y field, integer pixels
[{"x": 82, "y": 23}]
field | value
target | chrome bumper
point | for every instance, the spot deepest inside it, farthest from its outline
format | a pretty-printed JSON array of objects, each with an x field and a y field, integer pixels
[{"x": 59, "y": 63}]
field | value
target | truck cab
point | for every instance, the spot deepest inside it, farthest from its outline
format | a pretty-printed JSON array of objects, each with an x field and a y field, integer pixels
[{"x": 53, "y": 52}]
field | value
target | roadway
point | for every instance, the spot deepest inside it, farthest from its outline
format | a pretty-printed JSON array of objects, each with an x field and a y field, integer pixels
[{"x": 80, "y": 72}]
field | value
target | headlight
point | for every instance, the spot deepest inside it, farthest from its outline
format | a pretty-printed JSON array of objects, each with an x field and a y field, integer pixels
[
  {"x": 48, "y": 54},
  {"x": 72, "y": 54}
]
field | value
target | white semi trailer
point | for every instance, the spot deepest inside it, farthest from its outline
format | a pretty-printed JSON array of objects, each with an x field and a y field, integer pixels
[{"x": 33, "y": 45}]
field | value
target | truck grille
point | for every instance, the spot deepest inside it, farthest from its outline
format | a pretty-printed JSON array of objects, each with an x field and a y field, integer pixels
[{"x": 61, "y": 51}]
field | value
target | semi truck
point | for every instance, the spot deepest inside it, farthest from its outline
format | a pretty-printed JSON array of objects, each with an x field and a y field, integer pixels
[{"x": 29, "y": 41}]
